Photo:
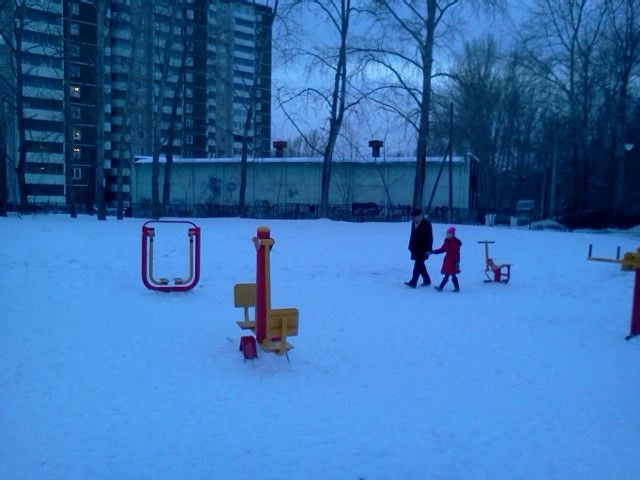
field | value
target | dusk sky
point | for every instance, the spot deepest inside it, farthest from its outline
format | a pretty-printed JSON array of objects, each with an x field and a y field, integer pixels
[{"x": 316, "y": 31}]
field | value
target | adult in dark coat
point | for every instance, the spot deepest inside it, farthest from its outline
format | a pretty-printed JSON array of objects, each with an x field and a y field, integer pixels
[{"x": 420, "y": 242}]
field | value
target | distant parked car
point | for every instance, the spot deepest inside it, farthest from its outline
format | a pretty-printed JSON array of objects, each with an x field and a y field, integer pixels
[
  {"x": 502, "y": 218},
  {"x": 525, "y": 211}
]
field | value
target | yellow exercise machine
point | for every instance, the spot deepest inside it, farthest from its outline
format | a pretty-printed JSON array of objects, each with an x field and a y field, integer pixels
[{"x": 628, "y": 263}]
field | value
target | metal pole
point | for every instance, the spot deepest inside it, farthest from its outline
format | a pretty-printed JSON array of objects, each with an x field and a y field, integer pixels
[
  {"x": 635, "y": 309},
  {"x": 450, "y": 162}
]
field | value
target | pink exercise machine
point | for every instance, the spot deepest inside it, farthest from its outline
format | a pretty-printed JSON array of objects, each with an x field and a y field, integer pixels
[{"x": 163, "y": 284}]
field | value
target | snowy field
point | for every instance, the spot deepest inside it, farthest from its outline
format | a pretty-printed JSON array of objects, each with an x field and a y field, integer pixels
[{"x": 101, "y": 378}]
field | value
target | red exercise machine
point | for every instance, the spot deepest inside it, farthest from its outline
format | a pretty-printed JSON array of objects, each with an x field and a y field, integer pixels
[
  {"x": 495, "y": 272},
  {"x": 163, "y": 284}
]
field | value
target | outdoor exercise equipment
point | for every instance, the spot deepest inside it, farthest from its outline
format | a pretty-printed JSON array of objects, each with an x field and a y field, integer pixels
[
  {"x": 495, "y": 272},
  {"x": 179, "y": 284},
  {"x": 629, "y": 263},
  {"x": 271, "y": 326}
]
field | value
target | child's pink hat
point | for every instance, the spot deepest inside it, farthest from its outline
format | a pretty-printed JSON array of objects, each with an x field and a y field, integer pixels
[{"x": 451, "y": 230}]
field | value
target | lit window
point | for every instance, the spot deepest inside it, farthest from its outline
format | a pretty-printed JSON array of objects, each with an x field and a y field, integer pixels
[
  {"x": 75, "y": 91},
  {"x": 77, "y": 135},
  {"x": 77, "y": 153}
]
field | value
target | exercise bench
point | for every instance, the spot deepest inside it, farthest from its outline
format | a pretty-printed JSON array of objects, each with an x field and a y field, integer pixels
[{"x": 244, "y": 296}]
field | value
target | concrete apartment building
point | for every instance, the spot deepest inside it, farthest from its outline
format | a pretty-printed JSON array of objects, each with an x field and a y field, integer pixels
[{"x": 184, "y": 70}]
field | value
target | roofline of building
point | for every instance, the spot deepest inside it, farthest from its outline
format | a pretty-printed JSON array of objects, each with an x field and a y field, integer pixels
[{"x": 144, "y": 159}]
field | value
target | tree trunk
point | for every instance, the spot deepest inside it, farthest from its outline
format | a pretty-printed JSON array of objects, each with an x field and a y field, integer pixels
[
  {"x": 3, "y": 164},
  {"x": 68, "y": 122},
  {"x": 244, "y": 158},
  {"x": 171, "y": 134},
  {"x": 425, "y": 106},
  {"x": 338, "y": 101},
  {"x": 101, "y": 11},
  {"x": 19, "y": 23},
  {"x": 242, "y": 194}
]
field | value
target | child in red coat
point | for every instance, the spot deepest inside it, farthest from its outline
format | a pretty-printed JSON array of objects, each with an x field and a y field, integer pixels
[{"x": 451, "y": 262}]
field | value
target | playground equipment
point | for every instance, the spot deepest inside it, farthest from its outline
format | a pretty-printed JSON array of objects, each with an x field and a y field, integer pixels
[
  {"x": 271, "y": 326},
  {"x": 180, "y": 284},
  {"x": 495, "y": 272},
  {"x": 629, "y": 263}
]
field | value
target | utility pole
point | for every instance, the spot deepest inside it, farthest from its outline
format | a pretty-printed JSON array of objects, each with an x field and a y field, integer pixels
[{"x": 450, "y": 162}]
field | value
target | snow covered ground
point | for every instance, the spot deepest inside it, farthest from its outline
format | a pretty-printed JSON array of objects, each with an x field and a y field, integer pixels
[{"x": 101, "y": 378}]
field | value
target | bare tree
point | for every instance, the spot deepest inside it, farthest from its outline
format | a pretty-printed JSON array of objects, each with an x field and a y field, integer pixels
[
  {"x": 478, "y": 92},
  {"x": 69, "y": 127},
  {"x": 13, "y": 39},
  {"x": 623, "y": 50},
  {"x": 3, "y": 163},
  {"x": 264, "y": 50},
  {"x": 102, "y": 31},
  {"x": 561, "y": 45},
  {"x": 167, "y": 44},
  {"x": 405, "y": 52},
  {"x": 172, "y": 129},
  {"x": 338, "y": 99}
]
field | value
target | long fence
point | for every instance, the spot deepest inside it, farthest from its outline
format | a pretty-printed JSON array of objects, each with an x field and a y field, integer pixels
[{"x": 356, "y": 212}]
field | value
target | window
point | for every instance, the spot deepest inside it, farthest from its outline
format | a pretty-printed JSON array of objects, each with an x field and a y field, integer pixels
[
  {"x": 189, "y": 107},
  {"x": 188, "y": 123},
  {"x": 75, "y": 91},
  {"x": 190, "y": 14},
  {"x": 77, "y": 135},
  {"x": 75, "y": 71},
  {"x": 75, "y": 112},
  {"x": 189, "y": 77},
  {"x": 77, "y": 173},
  {"x": 189, "y": 29},
  {"x": 75, "y": 29},
  {"x": 77, "y": 153},
  {"x": 75, "y": 8},
  {"x": 74, "y": 50},
  {"x": 189, "y": 139},
  {"x": 189, "y": 61},
  {"x": 140, "y": 52},
  {"x": 188, "y": 92}
]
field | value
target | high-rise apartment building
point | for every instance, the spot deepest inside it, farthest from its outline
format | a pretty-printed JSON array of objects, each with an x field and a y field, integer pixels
[{"x": 179, "y": 78}]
